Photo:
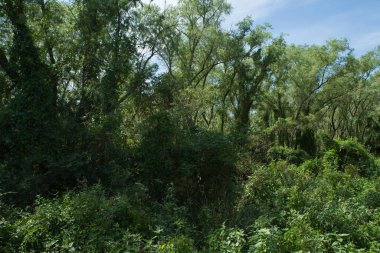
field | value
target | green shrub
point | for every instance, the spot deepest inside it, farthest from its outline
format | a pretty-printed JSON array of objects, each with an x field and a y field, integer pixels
[
  {"x": 265, "y": 240},
  {"x": 330, "y": 160},
  {"x": 179, "y": 244},
  {"x": 352, "y": 157},
  {"x": 7, "y": 217},
  {"x": 84, "y": 222},
  {"x": 155, "y": 155},
  {"x": 292, "y": 156},
  {"x": 195, "y": 162},
  {"x": 353, "y": 153},
  {"x": 314, "y": 166},
  {"x": 208, "y": 159},
  {"x": 227, "y": 240}
]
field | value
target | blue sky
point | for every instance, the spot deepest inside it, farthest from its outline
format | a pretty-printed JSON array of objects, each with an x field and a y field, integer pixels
[{"x": 312, "y": 21}]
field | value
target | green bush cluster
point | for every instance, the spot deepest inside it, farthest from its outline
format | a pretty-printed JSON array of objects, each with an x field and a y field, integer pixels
[
  {"x": 282, "y": 207},
  {"x": 93, "y": 221},
  {"x": 293, "y": 156},
  {"x": 352, "y": 157},
  {"x": 193, "y": 163}
]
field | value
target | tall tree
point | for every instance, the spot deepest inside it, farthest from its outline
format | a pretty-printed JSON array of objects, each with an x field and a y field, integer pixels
[{"x": 250, "y": 54}]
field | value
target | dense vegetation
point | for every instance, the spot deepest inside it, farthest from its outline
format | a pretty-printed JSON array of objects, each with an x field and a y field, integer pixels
[{"x": 127, "y": 128}]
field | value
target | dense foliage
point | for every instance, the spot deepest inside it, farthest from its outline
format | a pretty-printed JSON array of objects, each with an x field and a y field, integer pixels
[{"x": 127, "y": 128}]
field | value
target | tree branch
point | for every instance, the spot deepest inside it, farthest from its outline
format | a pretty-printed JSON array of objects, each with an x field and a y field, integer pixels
[{"x": 6, "y": 66}]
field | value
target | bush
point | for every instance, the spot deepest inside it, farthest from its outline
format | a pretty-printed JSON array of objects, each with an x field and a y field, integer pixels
[
  {"x": 352, "y": 157},
  {"x": 7, "y": 217},
  {"x": 208, "y": 159},
  {"x": 83, "y": 222},
  {"x": 265, "y": 240},
  {"x": 179, "y": 244},
  {"x": 292, "y": 156},
  {"x": 155, "y": 156},
  {"x": 195, "y": 162},
  {"x": 227, "y": 240},
  {"x": 314, "y": 166}
]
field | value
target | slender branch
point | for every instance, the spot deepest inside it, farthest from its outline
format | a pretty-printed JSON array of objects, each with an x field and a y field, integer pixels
[{"x": 6, "y": 66}]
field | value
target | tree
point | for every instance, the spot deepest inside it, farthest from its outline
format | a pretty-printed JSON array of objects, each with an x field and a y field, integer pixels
[
  {"x": 250, "y": 53},
  {"x": 29, "y": 119},
  {"x": 309, "y": 80}
]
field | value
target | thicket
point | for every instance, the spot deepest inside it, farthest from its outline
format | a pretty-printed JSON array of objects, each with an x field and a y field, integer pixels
[{"x": 126, "y": 128}]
